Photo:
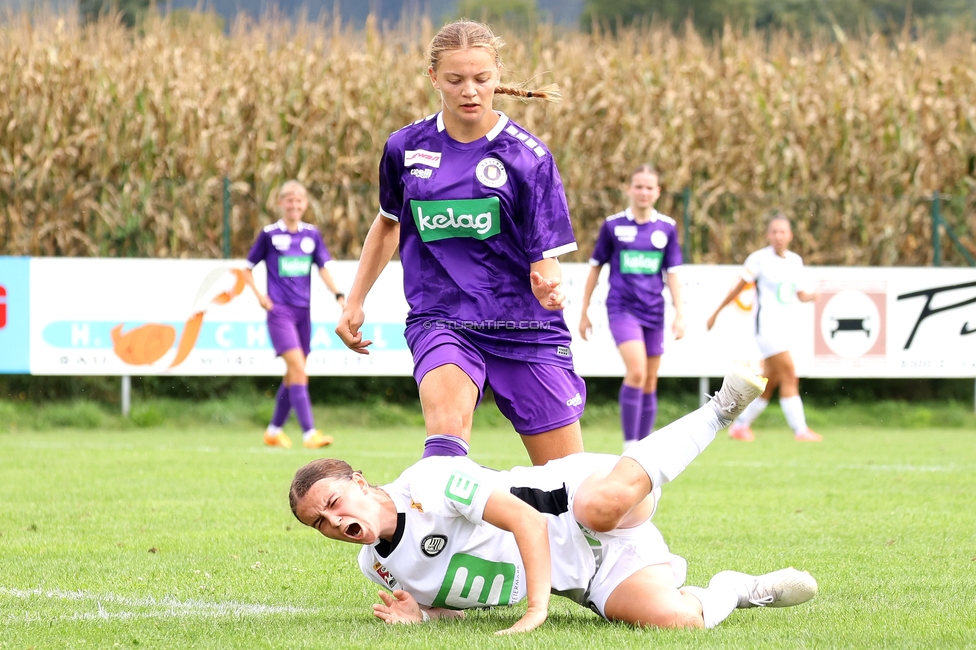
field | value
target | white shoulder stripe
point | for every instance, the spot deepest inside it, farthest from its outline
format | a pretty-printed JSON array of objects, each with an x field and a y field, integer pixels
[
  {"x": 523, "y": 137},
  {"x": 559, "y": 250}
]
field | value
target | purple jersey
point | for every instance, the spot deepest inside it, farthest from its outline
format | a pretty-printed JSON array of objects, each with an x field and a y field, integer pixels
[
  {"x": 639, "y": 255},
  {"x": 289, "y": 257},
  {"x": 473, "y": 217}
]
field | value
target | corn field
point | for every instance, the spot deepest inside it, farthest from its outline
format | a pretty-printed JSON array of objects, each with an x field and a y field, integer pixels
[{"x": 116, "y": 142}]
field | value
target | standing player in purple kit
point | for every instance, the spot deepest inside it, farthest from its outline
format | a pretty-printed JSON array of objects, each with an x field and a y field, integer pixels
[
  {"x": 477, "y": 207},
  {"x": 641, "y": 245},
  {"x": 288, "y": 248}
]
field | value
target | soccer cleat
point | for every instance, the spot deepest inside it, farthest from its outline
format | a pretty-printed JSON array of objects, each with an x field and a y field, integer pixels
[
  {"x": 739, "y": 388},
  {"x": 741, "y": 432},
  {"x": 279, "y": 440},
  {"x": 807, "y": 436},
  {"x": 783, "y": 588},
  {"x": 317, "y": 440}
]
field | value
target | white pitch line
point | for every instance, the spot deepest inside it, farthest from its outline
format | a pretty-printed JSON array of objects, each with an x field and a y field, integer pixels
[
  {"x": 858, "y": 467},
  {"x": 166, "y": 607}
]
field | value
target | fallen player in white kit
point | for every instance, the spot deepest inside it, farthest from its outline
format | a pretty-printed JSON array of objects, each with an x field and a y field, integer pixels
[{"x": 450, "y": 535}]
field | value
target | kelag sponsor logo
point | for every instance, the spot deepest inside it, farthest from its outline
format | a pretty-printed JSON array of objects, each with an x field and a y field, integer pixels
[
  {"x": 474, "y": 218},
  {"x": 642, "y": 262},
  {"x": 294, "y": 266}
]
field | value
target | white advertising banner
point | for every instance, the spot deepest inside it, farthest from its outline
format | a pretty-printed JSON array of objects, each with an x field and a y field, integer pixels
[{"x": 193, "y": 317}]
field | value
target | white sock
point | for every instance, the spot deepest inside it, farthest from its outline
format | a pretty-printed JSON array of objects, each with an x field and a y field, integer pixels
[
  {"x": 629, "y": 443},
  {"x": 665, "y": 454},
  {"x": 793, "y": 410},
  {"x": 753, "y": 411},
  {"x": 273, "y": 430},
  {"x": 308, "y": 434},
  {"x": 717, "y": 602}
]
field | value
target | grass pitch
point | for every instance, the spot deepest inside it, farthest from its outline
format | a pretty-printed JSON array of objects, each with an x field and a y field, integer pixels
[{"x": 180, "y": 536}]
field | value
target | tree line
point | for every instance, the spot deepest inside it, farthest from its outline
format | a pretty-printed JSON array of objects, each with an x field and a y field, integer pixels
[{"x": 708, "y": 17}]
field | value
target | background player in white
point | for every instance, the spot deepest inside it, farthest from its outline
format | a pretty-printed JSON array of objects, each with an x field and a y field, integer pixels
[
  {"x": 780, "y": 280},
  {"x": 450, "y": 535},
  {"x": 477, "y": 208},
  {"x": 641, "y": 246},
  {"x": 289, "y": 248}
]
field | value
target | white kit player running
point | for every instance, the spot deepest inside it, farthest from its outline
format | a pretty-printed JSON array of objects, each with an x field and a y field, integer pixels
[
  {"x": 450, "y": 535},
  {"x": 780, "y": 281}
]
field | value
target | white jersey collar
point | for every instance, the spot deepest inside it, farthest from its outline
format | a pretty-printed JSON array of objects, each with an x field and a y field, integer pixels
[
  {"x": 631, "y": 217},
  {"x": 491, "y": 135}
]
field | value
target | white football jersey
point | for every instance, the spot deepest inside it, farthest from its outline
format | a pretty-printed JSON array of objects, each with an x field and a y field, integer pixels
[
  {"x": 445, "y": 555},
  {"x": 777, "y": 281}
]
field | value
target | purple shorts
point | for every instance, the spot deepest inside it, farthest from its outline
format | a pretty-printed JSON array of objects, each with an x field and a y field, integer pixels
[
  {"x": 625, "y": 327},
  {"x": 290, "y": 327},
  {"x": 535, "y": 397}
]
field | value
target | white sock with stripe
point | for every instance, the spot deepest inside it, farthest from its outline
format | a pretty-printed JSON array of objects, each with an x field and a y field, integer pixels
[
  {"x": 717, "y": 602},
  {"x": 667, "y": 453},
  {"x": 793, "y": 410}
]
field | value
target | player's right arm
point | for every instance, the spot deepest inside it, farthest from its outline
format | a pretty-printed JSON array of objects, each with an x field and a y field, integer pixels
[
  {"x": 401, "y": 607},
  {"x": 736, "y": 290},
  {"x": 601, "y": 255},
  {"x": 255, "y": 255},
  {"x": 751, "y": 270},
  {"x": 381, "y": 242},
  {"x": 585, "y": 325},
  {"x": 531, "y": 530}
]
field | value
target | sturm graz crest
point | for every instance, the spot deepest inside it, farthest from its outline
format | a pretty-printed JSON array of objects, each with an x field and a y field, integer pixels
[{"x": 433, "y": 544}]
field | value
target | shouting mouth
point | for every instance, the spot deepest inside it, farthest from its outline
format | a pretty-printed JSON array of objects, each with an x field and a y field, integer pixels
[{"x": 354, "y": 531}]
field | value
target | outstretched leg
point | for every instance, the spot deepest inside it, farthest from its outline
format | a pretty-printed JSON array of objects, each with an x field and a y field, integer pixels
[
  {"x": 649, "y": 597},
  {"x": 605, "y": 502},
  {"x": 783, "y": 588}
]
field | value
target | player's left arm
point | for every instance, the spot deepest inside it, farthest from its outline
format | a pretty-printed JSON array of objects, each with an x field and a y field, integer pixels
[
  {"x": 803, "y": 295},
  {"x": 531, "y": 530},
  {"x": 546, "y": 277},
  {"x": 674, "y": 286},
  {"x": 331, "y": 285}
]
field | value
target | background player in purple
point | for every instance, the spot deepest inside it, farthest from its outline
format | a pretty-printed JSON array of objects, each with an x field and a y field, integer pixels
[
  {"x": 641, "y": 246},
  {"x": 288, "y": 249},
  {"x": 477, "y": 207}
]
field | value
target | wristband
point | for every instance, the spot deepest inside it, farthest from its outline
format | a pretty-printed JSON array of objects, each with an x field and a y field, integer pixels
[
  {"x": 425, "y": 615},
  {"x": 339, "y": 295}
]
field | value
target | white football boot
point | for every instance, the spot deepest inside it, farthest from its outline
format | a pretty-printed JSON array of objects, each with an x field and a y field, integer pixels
[
  {"x": 783, "y": 588},
  {"x": 740, "y": 386}
]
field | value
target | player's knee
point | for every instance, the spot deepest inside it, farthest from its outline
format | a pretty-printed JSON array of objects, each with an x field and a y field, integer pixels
[
  {"x": 635, "y": 378},
  {"x": 603, "y": 506},
  {"x": 444, "y": 420}
]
